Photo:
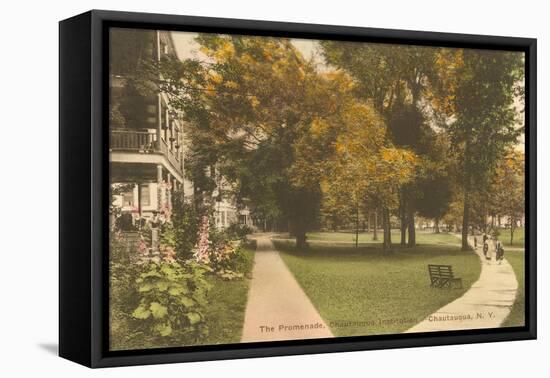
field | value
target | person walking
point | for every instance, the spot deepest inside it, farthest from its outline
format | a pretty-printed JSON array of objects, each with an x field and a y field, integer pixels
[
  {"x": 487, "y": 250},
  {"x": 491, "y": 242},
  {"x": 500, "y": 253}
]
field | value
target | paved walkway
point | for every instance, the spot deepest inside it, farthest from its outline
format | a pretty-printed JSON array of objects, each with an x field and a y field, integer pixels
[
  {"x": 485, "y": 305},
  {"x": 278, "y": 308}
]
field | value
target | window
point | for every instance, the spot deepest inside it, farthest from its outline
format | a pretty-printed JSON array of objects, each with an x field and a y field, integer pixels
[
  {"x": 145, "y": 196},
  {"x": 128, "y": 199}
]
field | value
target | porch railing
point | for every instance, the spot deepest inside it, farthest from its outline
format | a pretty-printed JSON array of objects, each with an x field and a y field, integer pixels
[
  {"x": 142, "y": 142},
  {"x": 172, "y": 157}
]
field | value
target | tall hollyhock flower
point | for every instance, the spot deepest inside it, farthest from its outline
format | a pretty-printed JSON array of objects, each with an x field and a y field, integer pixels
[{"x": 203, "y": 244}]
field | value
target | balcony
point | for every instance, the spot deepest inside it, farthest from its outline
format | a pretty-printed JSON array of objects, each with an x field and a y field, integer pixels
[{"x": 143, "y": 145}]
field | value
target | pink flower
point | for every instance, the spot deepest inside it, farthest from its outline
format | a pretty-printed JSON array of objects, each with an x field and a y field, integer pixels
[{"x": 201, "y": 253}]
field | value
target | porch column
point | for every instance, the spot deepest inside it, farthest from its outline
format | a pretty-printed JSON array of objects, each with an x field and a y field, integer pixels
[
  {"x": 139, "y": 199},
  {"x": 159, "y": 186},
  {"x": 159, "y": 97},
  {"x": 169, "y": 190},
  {"x": 159, "y": 173},
  {"x": 166, "y": 127},
  {"x": 159, "y": 121}
]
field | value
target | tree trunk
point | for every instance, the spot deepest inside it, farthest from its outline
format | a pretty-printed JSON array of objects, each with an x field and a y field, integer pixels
[
  {"x": 301, "y": 240},
  {"x": 298, "y": 231},
  {"x": 466, "y": 221},
  {"x": 357, "y": 227},
  {"x": 512, "y": 226},
  {"x": 411, "y": 228},
  {"x": 403, "y": 220},
  {"x": 375, "y": 227},
  {"x": 437, "y": 226},
  {"x": 386, "y": 244}
]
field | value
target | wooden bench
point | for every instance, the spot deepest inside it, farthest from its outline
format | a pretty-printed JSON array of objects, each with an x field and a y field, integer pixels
[{"x": 442, "y": 276}]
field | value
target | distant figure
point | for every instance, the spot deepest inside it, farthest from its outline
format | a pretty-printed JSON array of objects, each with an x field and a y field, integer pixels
[
  {"x": 475, "y": 242},
  {"x": 500, "y": 253},
  {"x": 486, "y": 250}
]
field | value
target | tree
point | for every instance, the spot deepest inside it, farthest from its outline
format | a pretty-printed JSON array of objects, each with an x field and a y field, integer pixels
[
  {"x": 508, "y": 187},
  {"x": 435, "y": 199},
  {"x": 483, "y": 123},
  {"x": 247, "y": 103},
  {"x": 384, "y": 74},
  {"x": 396, "y": 80},
  {"x": 362, "y": 167}
]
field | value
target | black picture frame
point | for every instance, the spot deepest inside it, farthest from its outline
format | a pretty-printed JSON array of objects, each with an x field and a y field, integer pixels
[{"x": 83, "y": 166}]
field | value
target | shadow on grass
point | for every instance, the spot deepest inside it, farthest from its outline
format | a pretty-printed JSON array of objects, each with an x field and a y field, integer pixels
[{"x": 366, "y": 250}]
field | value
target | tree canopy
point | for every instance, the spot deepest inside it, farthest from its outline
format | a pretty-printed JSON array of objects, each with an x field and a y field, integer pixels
[{"x": 404, "y": 130}]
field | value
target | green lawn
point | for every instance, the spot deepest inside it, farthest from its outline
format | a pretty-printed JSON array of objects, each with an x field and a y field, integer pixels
[
  {"x": 519, "y": 237},
  {"x": 517, "y": 315},
  {"x": 369, "y": 292},
  {"x": 366, "y": 238},
  {"x": 227, "y": 304},
  {"x": 342, "y": 236}
]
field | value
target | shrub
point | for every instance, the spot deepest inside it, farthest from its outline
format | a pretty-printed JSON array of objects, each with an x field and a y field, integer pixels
[
  {"x": 237, "y": 231},
  {"x": 225, "y": 256},
  {"x": 184, "y": 227},
  {"x": 168, "y": 235},
  {"x": 122, "y": 294},
  {"x": 172, "y": 300}
]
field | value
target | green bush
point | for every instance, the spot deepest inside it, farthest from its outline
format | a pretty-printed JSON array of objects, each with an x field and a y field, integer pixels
[
  {"x": 172, "y": 300},
  {"x": 226, "y": 256},
  {"x": 122, "y": 293},
  {"x": 241, "y": 261},
  {"x": 237, "y": 231},
  {"x": 183, "y": 229},
  {"x": 168, "y": 235}
]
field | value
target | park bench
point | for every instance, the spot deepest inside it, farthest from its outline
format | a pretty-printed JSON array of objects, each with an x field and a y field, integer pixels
[{"x": 442, "y": 276}]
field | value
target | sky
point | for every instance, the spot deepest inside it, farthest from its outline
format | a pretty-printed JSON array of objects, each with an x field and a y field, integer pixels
[{"x": 187, "y": 48}]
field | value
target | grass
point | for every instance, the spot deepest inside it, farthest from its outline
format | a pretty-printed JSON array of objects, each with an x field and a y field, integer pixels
[
  {"x": 227, "y": 304},
  {"x": 341, "y": 236},
  {"x": 365, "y": 238},
  {"x": 363, "y": 291},
  {"x": 519, "y": 237},
  {"x": 517, "y": 314}
]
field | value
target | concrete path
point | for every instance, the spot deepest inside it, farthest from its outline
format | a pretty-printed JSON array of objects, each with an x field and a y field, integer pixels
[
  {"x": 485, "y": 305},
  {"x": 278, "y": 308}
]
